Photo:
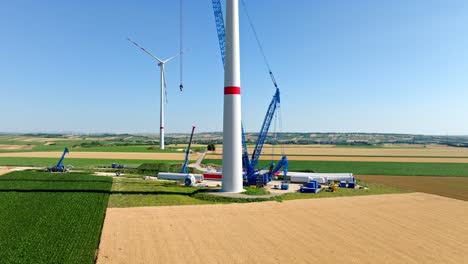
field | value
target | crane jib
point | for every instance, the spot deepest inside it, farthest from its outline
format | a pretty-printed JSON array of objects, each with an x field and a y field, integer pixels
[{"x": 265, "y": 128}]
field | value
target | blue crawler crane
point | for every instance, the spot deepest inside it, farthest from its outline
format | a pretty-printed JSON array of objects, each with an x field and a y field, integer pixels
[
  {"x": 60, "y": 167},
  {"x": 252, "y": 174}
]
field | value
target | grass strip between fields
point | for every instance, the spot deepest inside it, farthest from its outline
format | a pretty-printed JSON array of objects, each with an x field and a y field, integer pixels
[{"x": 361, "y": 167}]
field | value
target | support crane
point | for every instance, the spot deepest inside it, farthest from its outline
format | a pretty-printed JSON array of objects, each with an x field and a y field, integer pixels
[
  {"x": 60, "y": 167},
  {"x": 187, "y": 152},
  {"x": 252, "y": 175}
]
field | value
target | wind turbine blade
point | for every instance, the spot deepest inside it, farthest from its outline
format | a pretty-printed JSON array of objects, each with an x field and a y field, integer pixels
[
  {"x": 144, "y": 50},
  {"x": 178, "y": 54},
  {"x": 186, "y": 50},
  {"x": 165, "y": 90}
]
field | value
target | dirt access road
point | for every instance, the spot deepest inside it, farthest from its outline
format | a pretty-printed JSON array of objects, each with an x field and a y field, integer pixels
[
  {"x": 397, "y": 228},
  {"x": 5, "y": 170},
  {"x": 8, "y": 169}
]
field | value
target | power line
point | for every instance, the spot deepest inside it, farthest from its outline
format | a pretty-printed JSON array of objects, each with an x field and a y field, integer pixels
[{"x": 259, "y": 45}]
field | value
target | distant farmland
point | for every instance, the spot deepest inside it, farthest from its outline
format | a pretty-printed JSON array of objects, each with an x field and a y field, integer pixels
[
  {"x": 453, "y": 187},
  {"x": 376, "y": 168}
]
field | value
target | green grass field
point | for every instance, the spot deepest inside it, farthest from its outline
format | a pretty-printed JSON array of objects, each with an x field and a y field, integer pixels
[
  {"x": 51, "y": 218},
  {"x": 376, "y": 168},
  {"x": 361, "y": 167},
  {"x": 44, "y": 162},
  {"x": 255, "y": 191},
  {"x": 138, "y": 192}
]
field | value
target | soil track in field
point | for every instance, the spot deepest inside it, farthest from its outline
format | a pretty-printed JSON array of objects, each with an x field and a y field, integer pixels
[
  {"x": 399, "y": 228},
  {"x": 453, "y": 187},
  {"x": 4, "y": 170}
]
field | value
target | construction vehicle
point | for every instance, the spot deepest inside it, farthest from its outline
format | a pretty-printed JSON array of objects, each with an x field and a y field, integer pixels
[
  {"x": 118, "y": 166},
  {"x": 252, "y": 175},
  {"x": 187, "y": 152},
  {"x": 60, "y": 167},
  {"x": 332, "y": 187},
  {"x": 188, "y": 178},
  {"x": 310, "y": 187}
]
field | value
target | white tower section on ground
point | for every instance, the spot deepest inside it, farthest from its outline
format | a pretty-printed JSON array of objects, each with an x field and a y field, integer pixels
[{"x": 232, "y": 137}]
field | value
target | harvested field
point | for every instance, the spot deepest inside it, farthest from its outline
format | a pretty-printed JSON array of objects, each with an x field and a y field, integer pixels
[
  {"x": 454, "y": 187},
  {"x": 429, "y": 151},
  {"x": 372, "y": 159},
  {"x": 397, "y": 228},
  {"x": 15, "y": 147},
  {"x": 194, "y": 156}
]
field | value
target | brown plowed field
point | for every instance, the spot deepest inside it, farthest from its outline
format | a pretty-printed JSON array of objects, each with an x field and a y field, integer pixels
[
  {"x": 454, "y": 187},
  {"x": 180, "y": 156},
  {"x": 14, "y": 147},
  {"x": 400, "y": 228}
]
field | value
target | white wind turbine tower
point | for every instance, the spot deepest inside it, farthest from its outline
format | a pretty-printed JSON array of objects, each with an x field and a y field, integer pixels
[{"x": 161, "y": 64}]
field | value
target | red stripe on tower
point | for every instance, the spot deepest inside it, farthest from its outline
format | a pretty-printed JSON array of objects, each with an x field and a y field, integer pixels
[
  {"x": 231, "y": 90},
  {"x": 161, "y": 127}
]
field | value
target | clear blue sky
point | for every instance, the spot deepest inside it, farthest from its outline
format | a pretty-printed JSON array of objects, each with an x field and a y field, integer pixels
[{"x": 342, "y": 66}]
